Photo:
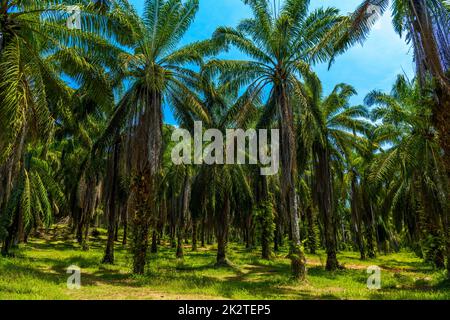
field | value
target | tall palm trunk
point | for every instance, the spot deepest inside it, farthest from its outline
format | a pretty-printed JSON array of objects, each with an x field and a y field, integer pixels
[
  {"x": 431, "y": 231},
  {"x": 289, "y": 173},
  {"x": 148, "y": 150},
  {"x": 89, "y": 197},
  {"x": 183, "y": 211},
  {"x": 194, "y": 234},
  {"x": 356, "y": 218},
  {"x": 202, "y": 232},
  {"x": 154, "y": 248},
  {"x": 324, "y": 186},
  {"x": 222, "y": 232},
  {"x": 369, "y": 223},
  {"x": 312, "y": 236},
  {"x": 265, "y": 216},
  {"x": 124, "y": 215},
  {"x": 112, "y": 201},
  {"x": 277, "y": 240}
]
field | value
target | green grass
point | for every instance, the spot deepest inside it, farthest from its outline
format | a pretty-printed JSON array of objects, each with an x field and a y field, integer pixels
[{"x": 39, "y": 272}]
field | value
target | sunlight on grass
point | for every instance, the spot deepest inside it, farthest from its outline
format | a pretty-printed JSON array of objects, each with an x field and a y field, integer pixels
[{"x": 39, "y": 272}]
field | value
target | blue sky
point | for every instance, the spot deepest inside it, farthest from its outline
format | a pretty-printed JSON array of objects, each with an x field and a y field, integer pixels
[{"x": 374, "y": 65}]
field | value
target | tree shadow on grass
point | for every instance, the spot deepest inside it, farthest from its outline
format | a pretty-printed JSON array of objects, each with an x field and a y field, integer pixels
[
  {"x": 33, "y": 272},
  {"x": 407, "y": 266}
]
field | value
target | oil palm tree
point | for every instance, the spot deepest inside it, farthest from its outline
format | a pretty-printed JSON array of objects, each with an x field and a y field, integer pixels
[
  {"x": 36, "y": 48},
  {"x": 155, "y": 72},
  {"x": 327, "y": 126},
  {"x": 219, "y": 191},
  {"x": 425, "y": 24},
  {"x": 34, "y": 200},
  {"x": 412, "y": 166},
  {"x": 278, "y": 45}
]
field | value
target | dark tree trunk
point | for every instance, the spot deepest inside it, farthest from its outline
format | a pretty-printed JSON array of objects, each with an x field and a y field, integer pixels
[
  {"x": 265, "y": 217},
  {"x": 183, "y": 212},
  {"x": 248, "y": 231},
  {"x": 370, "y": 236},
  {"x": 194, "y": 235},
  {"x": 356, "y": 217},
  {"x": 180, "y": 253},
  {"x": 154, "y": 248},
  {"x": 173, "y": 242},
  {"x": 267, "y": 233},
  {"x": 202, "y": 233},
  {"x": 116, "y": 230},
  {"x": 13, "y": 232},
  {"x": 79, "y": 234},
  {"x": 112, "y": 209},
  {"x": 222, "y": 233},
  {"x": 276, "y": 246},
  {"x": 312, "y": 236},
  {"x": 278, "y": 241},
  {"x": 125, "y": 224},
  {"x": 430, "y": 226}
]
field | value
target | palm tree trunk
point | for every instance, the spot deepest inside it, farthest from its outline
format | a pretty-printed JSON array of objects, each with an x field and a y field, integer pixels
[
  {"x": 154, "y": 248},
  {"x": 148, "y": 152},
  {"x": 267, "y": 230},
  {"x": 140, "y": 242},
  {"x": 183, "y": 208},
  {"x": 428, "y": 50},
  {"x": 370, "y": 233},
  {"x": 431, "y": 230},
  {"x": 222, "y": 233},
  {"x": 312, "y": 236},
  {"x": 289, "y": 173},
  {"x": 265, "y": 216},
  {"x": 356, "y": 219},
  {"x": 202, "y": 232},
  {"x": 194, "y": 235},
  {"x": 324, "y": 186},
  {"x": 276, "y": 236},
  {"x": 112, "y": 198},
  {"x": 125, "y": 223}
]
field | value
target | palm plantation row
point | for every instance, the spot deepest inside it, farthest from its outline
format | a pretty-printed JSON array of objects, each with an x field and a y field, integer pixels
[{"x": 83, "y": 138}]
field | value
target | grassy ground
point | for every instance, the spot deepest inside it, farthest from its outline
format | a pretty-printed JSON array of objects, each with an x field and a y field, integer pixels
[{"x": 39, "y": 272}]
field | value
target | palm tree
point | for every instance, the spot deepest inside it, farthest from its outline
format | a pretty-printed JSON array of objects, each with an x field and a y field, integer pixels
[
  {"x": 35, "y": 198},
  {"x": 156, "y": 75},
  {"x": 278, "y": 45},
  {"x": 219, "y": 191},
  {"x": 412, "y": 168},
  {"x": 426, "y": 24},
  {"x": 176, "y": 187},
  {"x": 362, "y": 192},
  {"x": 35, "y": 51},
  {"x": 327, "y": 125}
]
